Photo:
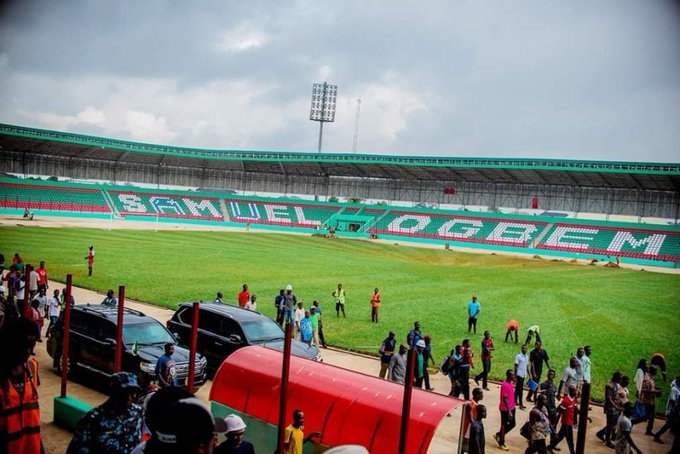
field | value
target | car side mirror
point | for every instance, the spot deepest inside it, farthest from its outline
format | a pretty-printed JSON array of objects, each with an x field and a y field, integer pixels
[
  {"x": 235, "y": 339},
  {"x": 110, "y": 341}
]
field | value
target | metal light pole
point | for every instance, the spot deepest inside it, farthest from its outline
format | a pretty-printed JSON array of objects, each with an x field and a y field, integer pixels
[{"x": 324, "y": 98}]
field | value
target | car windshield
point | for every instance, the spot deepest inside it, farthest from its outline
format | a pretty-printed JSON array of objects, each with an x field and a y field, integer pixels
[
  {"x": 146, "y": 334},
  {"x": 264, "y": 329}
]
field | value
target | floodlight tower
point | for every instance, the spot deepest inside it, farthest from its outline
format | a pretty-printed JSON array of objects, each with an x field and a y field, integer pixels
[{"x": 324, "y": 97}]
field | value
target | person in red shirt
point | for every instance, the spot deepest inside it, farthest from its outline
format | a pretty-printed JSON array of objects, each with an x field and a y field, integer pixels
[
  {"x": 42, "y": 277},
  {"x": 511, "y": 327},
  {"x": 567, "y": 411},
  {"x": 375, "y": 305},
  {"x": 243, "y": 296},
  {"x": 487, "y": 347},
  {"x": 90, "y": 261}
]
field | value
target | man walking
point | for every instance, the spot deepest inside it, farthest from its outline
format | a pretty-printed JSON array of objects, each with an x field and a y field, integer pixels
[
  {"x": 586, "y": 364},
  {"x": 521, "y": 367},
  {"x": 396, "y": 371},
  {"x": 386, "y": 351},
  {"x": 507, "y": 409},
  {"x": 466, "y": 363},
  {"x": 648, "y": 395},
  {"x": 539, "y": 427},
  {"x": 549, "y": 390},
  {"x": 414, "y": 335},
  {"x": 42, "y": 277},
  {"x": 537, "y": 357},
  {"x": 487, "y": 348},
  {"x": 569, "y": 377},
  {"x": 672, "y": 412},
  {"x": 477, "y": 439},
  {"x": 567, "y": 411},
  {"x": 339, "y": 295},
  {"x": 165, "y": 367},
  {"x": 611, "y": 409},
  {"x": 473, "y": 313}
]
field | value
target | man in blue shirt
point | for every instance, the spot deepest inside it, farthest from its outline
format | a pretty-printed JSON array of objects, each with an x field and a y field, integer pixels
[
  {"x": 165, "y": 367},
  {"x": 306, "y": 331},
  {"x": 473, "y": 312}
]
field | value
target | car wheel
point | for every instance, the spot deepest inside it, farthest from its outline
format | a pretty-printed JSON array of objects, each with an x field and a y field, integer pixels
[{"x": 60, "y": 365}]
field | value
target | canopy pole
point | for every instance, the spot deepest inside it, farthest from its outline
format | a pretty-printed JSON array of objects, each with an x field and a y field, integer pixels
[
  {"x": 461, "y": 435},
  {"x": 406, "y": 404},
  {"x": 192, "y": 348},
  {"x": 583, "y": 419},
  {"x": 119, "y": 329},
  {"x": 66, "y": 335},
  {"x": 285, "y": 372}
]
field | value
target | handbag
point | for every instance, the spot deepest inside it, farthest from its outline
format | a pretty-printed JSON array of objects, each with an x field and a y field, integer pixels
[
  {"x": 639, "y": 411},
  {"x": 525, "y": 431}
]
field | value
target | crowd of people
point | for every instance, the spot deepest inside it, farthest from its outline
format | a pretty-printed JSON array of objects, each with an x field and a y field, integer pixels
[{"x": 554, "y": 415}]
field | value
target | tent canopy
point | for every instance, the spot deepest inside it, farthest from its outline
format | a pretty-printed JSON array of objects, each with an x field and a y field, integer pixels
[{"x": 347, "y": 407}]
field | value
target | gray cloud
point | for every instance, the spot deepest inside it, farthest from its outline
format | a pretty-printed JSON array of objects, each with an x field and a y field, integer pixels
[{"x": 591, "y": 80}]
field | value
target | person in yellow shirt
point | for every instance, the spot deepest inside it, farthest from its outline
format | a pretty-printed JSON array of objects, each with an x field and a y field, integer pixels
[{"x": 294, "y": 436}]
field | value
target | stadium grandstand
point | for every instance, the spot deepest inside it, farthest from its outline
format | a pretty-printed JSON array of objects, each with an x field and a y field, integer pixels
[{"x": 584, "y": 209}]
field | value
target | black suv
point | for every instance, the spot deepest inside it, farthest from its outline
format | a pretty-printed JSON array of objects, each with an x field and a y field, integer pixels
[
  {"x": 222, "y": 329},
  {"x": 93, "y": 344}
]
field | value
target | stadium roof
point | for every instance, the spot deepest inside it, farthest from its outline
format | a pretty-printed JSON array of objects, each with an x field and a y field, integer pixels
[{"x": 608, "y": 174}]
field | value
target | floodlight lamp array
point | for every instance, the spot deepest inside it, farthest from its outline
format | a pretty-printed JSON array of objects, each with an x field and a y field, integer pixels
[{"x": 324, "y": 97}]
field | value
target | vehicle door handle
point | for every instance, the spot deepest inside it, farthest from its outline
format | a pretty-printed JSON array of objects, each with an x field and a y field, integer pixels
[{"x": 218, "y": 343}]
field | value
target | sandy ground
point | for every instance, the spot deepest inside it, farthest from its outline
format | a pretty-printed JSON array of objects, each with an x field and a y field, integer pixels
[{"x": 445, "y": 440}]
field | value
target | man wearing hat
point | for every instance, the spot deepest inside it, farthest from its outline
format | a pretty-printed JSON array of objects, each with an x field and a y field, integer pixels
[
  {"x": 235, "y": 444},
  {"x": 186, "y": 427},
  {"x": 116, "y": 425},
  {"x": 289, "y": 303},
  {"x": 421, "y": 365}
]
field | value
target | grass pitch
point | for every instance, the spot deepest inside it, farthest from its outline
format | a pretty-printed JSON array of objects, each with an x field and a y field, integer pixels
[{"x": 625, "y": 315}]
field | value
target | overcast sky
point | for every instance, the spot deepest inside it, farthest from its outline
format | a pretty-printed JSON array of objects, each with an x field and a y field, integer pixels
[{"x": 582, "y": 80}]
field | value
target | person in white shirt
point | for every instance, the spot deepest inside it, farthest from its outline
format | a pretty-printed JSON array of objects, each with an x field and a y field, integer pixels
[
  {"x": 251, "y": 305},
  {"x": 569, "y": 377},
  {"x": 586, "y": 364},
  {"x": 299, "y": 315},
  {"x": 53, "y": 310},
  {"x": 521, "y": 367},
  {"x": 640, "y": 376}
]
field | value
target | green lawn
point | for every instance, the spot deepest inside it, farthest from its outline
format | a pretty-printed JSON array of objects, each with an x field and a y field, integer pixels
[{"x": 625, "y": 315}]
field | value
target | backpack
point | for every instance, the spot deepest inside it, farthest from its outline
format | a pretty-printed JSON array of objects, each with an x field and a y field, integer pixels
[{"x": 445, "y": 366}]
